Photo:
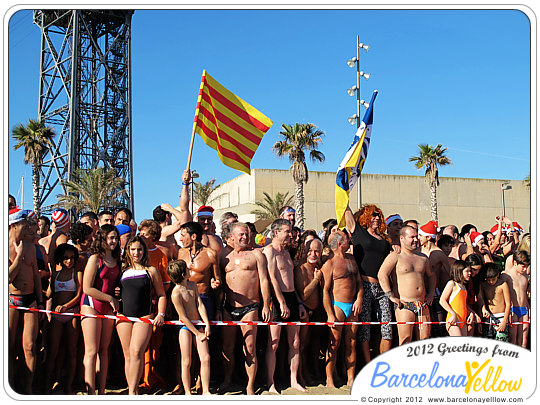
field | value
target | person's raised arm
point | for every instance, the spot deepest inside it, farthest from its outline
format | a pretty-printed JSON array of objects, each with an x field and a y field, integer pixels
[
  {"x": 186, "y": 215},
  {"x": 350, "y": 223}
]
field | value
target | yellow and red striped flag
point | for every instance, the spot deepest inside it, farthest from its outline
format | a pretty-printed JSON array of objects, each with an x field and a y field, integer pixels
[{"x": 228, "y": 124}]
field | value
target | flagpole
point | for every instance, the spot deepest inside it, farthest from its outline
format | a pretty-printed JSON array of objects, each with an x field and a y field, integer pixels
[
  {"x": 190, "y": 148},
  {"x": 358, "y": 119}
]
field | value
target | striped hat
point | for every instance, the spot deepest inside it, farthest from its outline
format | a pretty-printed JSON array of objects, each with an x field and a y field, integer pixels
[
  {"x": 429, "y": 229},
  {"x": 392, "y": 218},
  {"x": 476, "y": 237},
  {"x": 60, "y": 217},
  {"x": 17, "y": 215}
]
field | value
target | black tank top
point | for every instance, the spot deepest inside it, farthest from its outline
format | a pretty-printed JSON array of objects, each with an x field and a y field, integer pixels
[{"x": 369, "y": 251}]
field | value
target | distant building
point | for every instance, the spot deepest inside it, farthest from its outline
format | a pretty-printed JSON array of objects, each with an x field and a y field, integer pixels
[{"x": 460, "y": 200}]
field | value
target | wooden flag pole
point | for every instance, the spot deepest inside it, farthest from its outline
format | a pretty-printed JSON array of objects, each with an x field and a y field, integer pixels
[{"x": 190, "y": 148}]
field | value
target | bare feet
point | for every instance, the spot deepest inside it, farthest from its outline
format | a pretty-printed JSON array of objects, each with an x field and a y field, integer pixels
[
  {"x": 272, "y": 389},
  {"x": 224, "y": 387},
  {"x": 298, "y": 387}
]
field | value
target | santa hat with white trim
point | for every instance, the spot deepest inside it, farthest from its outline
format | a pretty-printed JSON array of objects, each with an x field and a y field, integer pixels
[
  {"x": 494, "y": 230},
  {"x": 476, "y": 237},
  {"x": 429, "y": 229},
  {"x": 517, "y": 227}
]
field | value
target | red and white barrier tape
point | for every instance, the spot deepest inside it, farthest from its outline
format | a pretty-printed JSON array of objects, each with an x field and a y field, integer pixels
[{"x": 238, "y": 323}]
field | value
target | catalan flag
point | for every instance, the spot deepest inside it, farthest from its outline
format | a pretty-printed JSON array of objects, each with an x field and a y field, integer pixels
[
  {"x": 228, "y": 124},
  {"x": 351, "y": 166}
]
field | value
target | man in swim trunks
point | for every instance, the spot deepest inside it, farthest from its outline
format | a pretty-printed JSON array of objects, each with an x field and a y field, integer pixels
[
  {"x": 342, "y": 300},
  {"x": 245, "y": 273},
  {"x": 25, "y": 291},
  {"x": 285, "y": 303},
  {"x": 410, "y": 295},
  {"x": 518, "y": 283},
  {"x": 440, "y": 267}
]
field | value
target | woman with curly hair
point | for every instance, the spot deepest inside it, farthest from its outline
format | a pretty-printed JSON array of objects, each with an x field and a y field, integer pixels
[
  {"x": 139, "y": 283},
  {"x": 371, "y": 245},
  {"x": 100, "y": 278}
]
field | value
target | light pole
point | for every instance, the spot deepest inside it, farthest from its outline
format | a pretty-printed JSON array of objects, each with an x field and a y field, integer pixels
[
  {"x": 356, "y": 118},
  {"x": 504, "y": 186},
  {"x": 194, "y": 175}
]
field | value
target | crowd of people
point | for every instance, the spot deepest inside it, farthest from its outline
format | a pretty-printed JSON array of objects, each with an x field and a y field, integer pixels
[{"x": 103, "y": 302}]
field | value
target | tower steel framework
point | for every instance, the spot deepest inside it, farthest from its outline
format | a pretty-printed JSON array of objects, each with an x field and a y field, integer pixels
[{"x": 85, "y": 94}]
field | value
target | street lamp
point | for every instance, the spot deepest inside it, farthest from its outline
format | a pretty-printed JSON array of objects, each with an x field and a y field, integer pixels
[
  {"x": 356, "y": 118},
  {"x": 194, "y": 175},
  {"x": 504, "y": 186}
]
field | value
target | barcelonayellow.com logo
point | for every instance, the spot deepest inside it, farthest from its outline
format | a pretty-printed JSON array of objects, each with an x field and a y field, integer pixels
[{"x": 456, "y": 365}]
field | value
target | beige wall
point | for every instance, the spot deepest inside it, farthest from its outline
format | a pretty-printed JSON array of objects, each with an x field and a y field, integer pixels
[{"x": 460, "y": 200}]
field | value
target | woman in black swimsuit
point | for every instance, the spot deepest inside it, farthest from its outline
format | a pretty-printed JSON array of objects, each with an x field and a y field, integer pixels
[{"x": 139, "y": 283}]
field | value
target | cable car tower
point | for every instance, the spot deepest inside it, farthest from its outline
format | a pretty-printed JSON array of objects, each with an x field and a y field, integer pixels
[{"x": 85, "y": 95}]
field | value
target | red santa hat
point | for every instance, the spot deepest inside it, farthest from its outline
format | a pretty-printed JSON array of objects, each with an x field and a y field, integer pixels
[
  {"x": 429, "y": 229},
  {"x": 476, "y": 237},
  {"x": 205, "y": 210},
  {"x": 494, "y": 230},
  {"x": 60, "y": 217}
]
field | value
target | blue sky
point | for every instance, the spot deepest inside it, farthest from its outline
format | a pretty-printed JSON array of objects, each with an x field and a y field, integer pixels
[{"x": 456, "y": 77}]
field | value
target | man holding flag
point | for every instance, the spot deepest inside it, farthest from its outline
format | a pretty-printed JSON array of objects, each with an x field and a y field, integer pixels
[{"x": 370, "y": 243}]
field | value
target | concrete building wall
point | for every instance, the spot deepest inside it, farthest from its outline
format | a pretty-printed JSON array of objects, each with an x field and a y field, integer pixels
[{"x": 460, "y": 200}]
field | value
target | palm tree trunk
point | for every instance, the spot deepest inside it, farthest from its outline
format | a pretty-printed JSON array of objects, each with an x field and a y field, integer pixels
[
  {"x": 35, "y": 189},
  {"x": 299, "y": 204},
  {"x": 433, "y": 197}
]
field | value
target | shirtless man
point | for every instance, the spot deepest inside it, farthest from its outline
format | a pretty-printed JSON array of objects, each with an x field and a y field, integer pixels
[
  {"x": 25, "y": 291},
  {"x": 202, "y": 264},
  {"x": 163, "y": 215},
  {"x": 205, "y": 217},
  {"x": 459, "y": 249},
  {"x": 60, "y": 218},
  {"x": 518, "y": 283},
  {"x": 342, "y": 300},
  {"x": 308, "y": 281},
  {"x": 286, "y": 306},
  {"x": 245, "y": 274},
  {"x": 410, "y": 295},
  {"x": 438, "y": 262}
]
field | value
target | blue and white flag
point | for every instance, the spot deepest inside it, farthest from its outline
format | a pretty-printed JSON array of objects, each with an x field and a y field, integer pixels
[{"x": 351, "y": 166}]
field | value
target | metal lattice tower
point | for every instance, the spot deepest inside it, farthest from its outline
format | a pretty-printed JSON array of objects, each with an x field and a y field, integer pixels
[{"x": 85, "y": 95}]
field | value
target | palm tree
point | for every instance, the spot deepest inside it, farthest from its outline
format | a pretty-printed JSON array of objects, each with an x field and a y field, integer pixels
[
  {"x": 430, "y": 158},
  {"x": 92, "y": 190},
  {"x": 36, "y": 139},
  {"x": 203, "y": 191},
  {"x": 269, "y": 207},
  {"x": 298, "y": 138},
  {"x": 527, "y": 181}
]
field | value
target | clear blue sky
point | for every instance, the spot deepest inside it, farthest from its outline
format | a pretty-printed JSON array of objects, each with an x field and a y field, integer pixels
[{"x": 456, "y": 77}]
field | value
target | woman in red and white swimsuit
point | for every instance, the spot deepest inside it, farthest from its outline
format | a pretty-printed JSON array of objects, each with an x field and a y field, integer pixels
[
  {"x": 64, "y": 294},
  {"x": 101, "y": 277}
]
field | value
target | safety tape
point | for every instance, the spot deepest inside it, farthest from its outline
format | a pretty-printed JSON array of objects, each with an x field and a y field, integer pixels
[{"x": 240, "y": 323}]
